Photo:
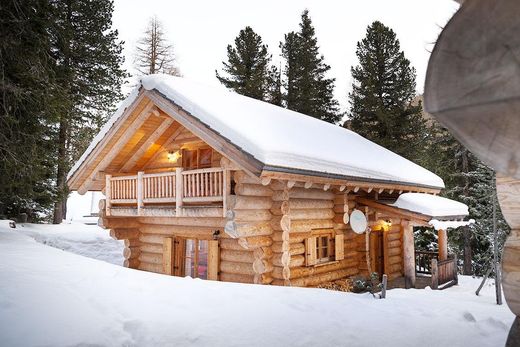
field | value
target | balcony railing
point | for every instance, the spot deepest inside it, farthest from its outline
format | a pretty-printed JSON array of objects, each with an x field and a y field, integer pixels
[{"x": 166, "y": 188}]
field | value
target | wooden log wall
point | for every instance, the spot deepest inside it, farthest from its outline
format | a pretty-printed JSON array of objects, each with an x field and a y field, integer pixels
[{"x": 247, "y": 257}]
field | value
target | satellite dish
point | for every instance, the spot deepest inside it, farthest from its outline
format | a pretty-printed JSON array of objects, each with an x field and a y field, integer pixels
[{"x": 358, "y": 222}]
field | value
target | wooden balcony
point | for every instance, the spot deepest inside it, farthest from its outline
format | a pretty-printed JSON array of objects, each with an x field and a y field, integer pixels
[{"x": 178, "y": 193}]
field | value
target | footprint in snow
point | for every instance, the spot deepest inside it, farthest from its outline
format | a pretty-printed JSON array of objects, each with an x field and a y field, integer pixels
[{"x": 469, "y": 317}]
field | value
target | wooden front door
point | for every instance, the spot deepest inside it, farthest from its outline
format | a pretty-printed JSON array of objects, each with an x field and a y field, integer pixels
[
  {"x": 377, "y": 252},
  {"x": 196, "y": 258}
]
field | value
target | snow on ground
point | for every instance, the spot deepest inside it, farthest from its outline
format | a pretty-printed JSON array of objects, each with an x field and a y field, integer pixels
[{"x": 57, "y": 298}]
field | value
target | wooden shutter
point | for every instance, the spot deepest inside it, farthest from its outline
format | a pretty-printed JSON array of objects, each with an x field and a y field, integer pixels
[
  {"x": 213, "y": 260},
  {"x": 339, "y": 242},
  {"x": 179, "y": 253},
  {"x": 168, "y": 256},
  {"x": 310, "y": 251}
]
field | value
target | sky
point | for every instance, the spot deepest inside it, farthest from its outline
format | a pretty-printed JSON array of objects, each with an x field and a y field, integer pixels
[{"x": 201, "y": 30}]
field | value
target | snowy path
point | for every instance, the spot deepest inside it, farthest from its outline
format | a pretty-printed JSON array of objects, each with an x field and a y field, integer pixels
[{"x": 52, "y": 297}]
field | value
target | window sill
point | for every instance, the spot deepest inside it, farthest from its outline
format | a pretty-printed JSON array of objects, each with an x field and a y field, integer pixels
[{"x": 330, "y": 262}]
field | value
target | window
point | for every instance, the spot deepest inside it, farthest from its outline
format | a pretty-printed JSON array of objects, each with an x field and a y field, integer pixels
[
  {"x": 324, "y": 246},
  {"x": 191, "y": 257},
  {"x": 196, "y": 259},
  {"x": 197, "y": 158}
]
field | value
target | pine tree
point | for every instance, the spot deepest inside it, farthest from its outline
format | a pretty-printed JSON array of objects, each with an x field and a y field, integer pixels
[
  {"x": 88, "y": 71},
  {"x": 27, "y": 110},
  {"x": 247, "y": 67},
  {"x": 382, "y": 94},
  {"x": 153, "y": 52},
  {"x": 308, "y": 90}
]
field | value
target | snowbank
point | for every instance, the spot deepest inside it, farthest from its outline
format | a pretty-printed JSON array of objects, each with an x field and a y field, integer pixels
[{"x": 52, "y": 297}]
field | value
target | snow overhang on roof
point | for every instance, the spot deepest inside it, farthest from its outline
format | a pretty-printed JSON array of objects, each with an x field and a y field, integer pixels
[
  {"x": 281, "y": 139},
  {"x": 444, "y": 213}
]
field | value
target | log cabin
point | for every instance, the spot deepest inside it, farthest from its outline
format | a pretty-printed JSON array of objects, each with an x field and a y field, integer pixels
[{"x": 202, "y": 182}]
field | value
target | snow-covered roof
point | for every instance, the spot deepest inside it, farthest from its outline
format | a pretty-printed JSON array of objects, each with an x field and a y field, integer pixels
[
  {"x": 431, "y": 205},
  {"x": 280, "y": 138},
  {"x": 449, "y": 224}
]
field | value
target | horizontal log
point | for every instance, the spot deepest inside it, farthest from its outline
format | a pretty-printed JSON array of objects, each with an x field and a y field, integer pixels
[
  {"x": 264, "y": 278},
  {"x": 293, "y": 237},
  {"x": 131, "y": 242},
  {"x": 151, "y": 248},
  {"x": 394, "y": 275},
  {"x": 298, "y": 226},
  {"x": 295, "y": 261},
  {"x": 263, "y": 253},
  {"x": 121, "y": 234},
  {"x": 151, "y": 267},
  {"x": 237, "y": 268},
  {"x": 242, "y": 256},
  {"x": 318, "y": 279},
  {"x": 394, "y": 251},
  {"x": 302, "y": 193},
  {"x": 298, "y": 204},
  {"x": 183, "y": 221},
  {"x": 243, "y": 177},
  {"x": 322, "y": 213},
  {"x": 261, "y": 266},
  {"x": 396, "y": 259},
  {"x": 315, "y": 270},
  {"x": 202, "y": 233},
  {"x": 255, "y": 242},
  {"x": 252, "y": 190},
  {"x": 152, "y": 258},
  {"x": 131, "y": 252},
  {"x": 237, "y": 278},
  {"x": 247, "y": 229},
  {"x": 231, "y": 244},
  {"x": 200, "y": 212},
  {"x": 241, "y": 202},
  {"x": 394, "y": 244},
  {"x": 132, "y": 263},
  {"x": 249, "y": 215},
  {"x": 115, "y": 223},
  {"x": 393, "y": 237},
  {"x": 152, "y": 238},
  {"x": 292, "y": 248},
  {"x": 394, "y": 268}
]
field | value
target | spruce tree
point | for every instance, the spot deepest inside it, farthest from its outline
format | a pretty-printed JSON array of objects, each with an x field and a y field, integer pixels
[
  {"x": 27, "y": 109},
  {"x": 247, "y": 67},
  {"x": 308, "y": 90},
  {"x": 382, "y": 94},
  {"x": 88, "y": 71}
]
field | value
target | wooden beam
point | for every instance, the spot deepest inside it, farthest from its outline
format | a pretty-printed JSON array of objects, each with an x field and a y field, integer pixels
[
  {"x": 163, "y": 147},
  {"x": 394, "y": 210},
  {"x": 308, "y": 185},
  {"x": 73, "y": 180},
  {"x": 290, "y": 184},
  {"x": 246, "y": 161},
  {"x": 443, "y": 244},
  {"x": 144, "y": 147},
  {"x": 408, "y": 256},
  {"x": 117, "y": 147}
]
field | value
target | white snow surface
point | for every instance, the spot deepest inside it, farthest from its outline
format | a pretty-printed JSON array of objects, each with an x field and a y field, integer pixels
[
  {"x": 430, "y": 205},
  {"x": 280, "y": 137},
  {"x": 49, "y": 297},
  {"x": 449, "y": 224}
]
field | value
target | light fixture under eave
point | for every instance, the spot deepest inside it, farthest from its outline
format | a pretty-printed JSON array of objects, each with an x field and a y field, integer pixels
[{"x": 174, "y": 156}]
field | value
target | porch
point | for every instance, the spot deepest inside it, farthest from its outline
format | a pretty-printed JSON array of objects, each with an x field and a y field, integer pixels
[
  {"x": 180, "y": 193},
  {"x": 431, "y": 272}
]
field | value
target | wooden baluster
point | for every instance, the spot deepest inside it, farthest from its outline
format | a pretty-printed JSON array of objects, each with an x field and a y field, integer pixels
[
  {"x": 139, "y": 192},
  {"x": 108, "y": 194},
  {"x": 178, "y": 190}
]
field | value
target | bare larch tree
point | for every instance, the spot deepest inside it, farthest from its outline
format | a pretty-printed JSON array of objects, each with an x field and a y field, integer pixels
[{"x": 154, "y": 54}]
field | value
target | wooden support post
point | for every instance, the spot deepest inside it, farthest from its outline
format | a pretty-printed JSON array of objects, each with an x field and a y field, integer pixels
[
  {"x": 108, "y": 194},
  {"x": 168, "y": 256},
  {"x": 178, "y": 191},
  {"x": 140, "y": 196},
  {"x": 408, "y": 256},
  {"x": 213, "y": 260},
  {"x": 383, "y": 290},
  {"x": 435, "y": 274},
  {"x": 226, "y": 189},
  {"x": 443, "y": 244}
]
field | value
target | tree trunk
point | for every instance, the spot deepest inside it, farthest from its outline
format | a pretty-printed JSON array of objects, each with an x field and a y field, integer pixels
[
  {"x": 60, "y": 205},
  {"x": 468, "y": 268}
]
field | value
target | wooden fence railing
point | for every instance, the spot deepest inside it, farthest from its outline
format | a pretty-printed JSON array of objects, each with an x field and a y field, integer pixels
[
  {"x": 423, "y": 261},
  {"x": 444, "y": 272},
  {"x": 178, "y": 187}
]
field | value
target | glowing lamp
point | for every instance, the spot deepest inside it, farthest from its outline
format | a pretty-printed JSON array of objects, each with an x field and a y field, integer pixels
[{"x": 174, "y": 156}]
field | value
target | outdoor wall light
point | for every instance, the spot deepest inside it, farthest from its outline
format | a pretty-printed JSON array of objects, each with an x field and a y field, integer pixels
[{"x": 174, "y": 156}]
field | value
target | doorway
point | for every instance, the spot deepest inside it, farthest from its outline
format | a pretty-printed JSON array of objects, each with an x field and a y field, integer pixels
[{"x": 377, "y": 252}]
